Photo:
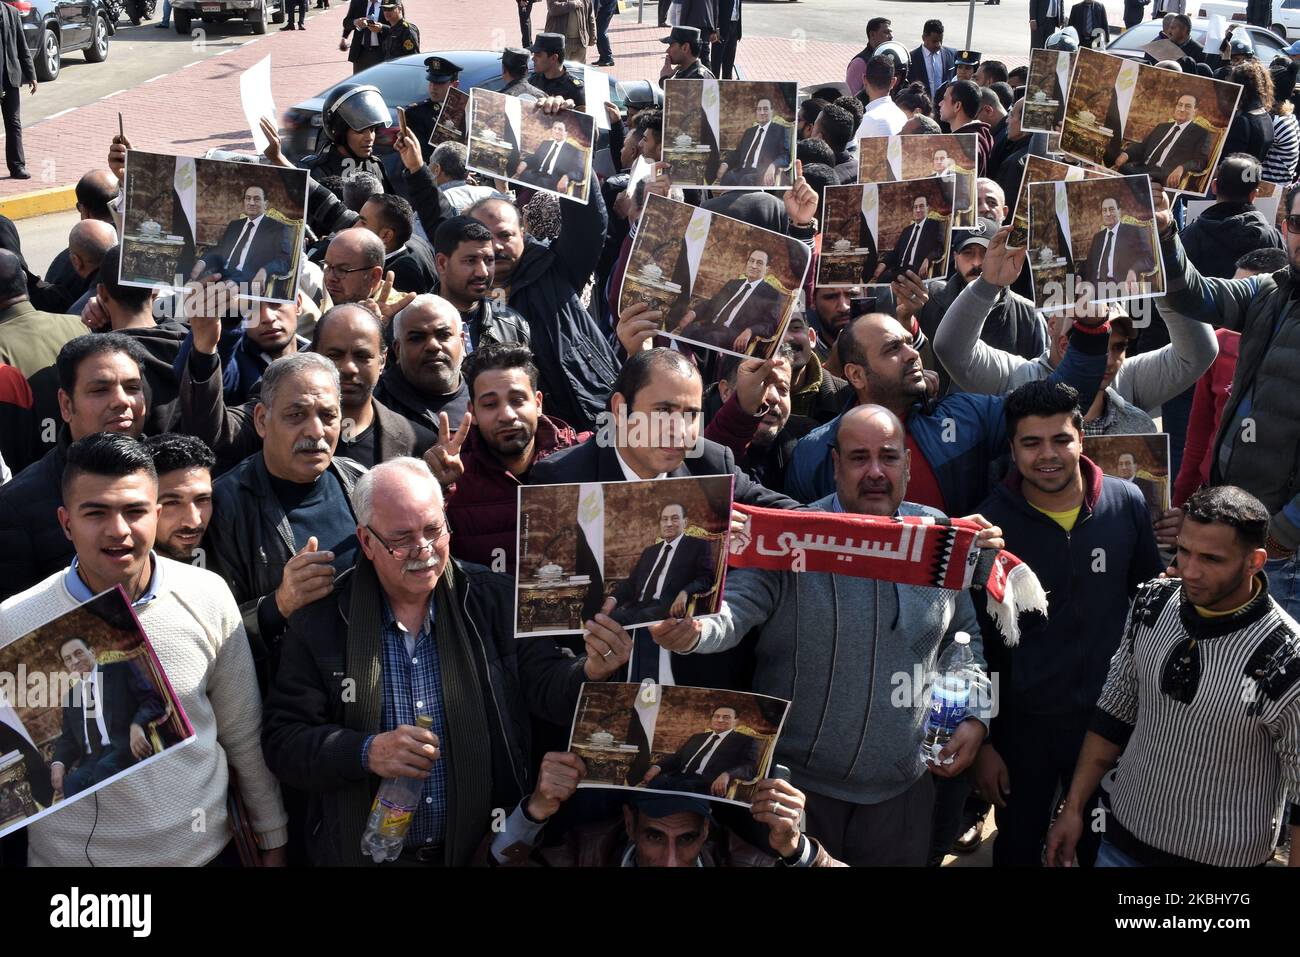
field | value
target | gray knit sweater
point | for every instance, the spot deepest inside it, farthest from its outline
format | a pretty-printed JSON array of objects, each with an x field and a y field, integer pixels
[
  {"x": 848, "y": 653},
  {"x": 1144, "y": 380}
]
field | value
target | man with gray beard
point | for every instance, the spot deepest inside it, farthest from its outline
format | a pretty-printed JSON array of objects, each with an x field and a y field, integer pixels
[{"x": 282, "y": 522}]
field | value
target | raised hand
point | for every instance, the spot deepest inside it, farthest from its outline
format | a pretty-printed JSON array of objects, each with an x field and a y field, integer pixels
[{"x": 443, "y": 458}]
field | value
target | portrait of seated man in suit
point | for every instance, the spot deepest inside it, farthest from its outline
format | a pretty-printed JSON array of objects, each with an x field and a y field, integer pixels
[
  {"x": 709, "y": 761},
  {"x": 555, "y": 163},
  {"x": 944, "y": 165},
  {"x": 1171, "y": 150},
  {"x": 252, "y": 249},
  {"x": 919, "y": 248},
  {"x": 666, "y": 575},
  {"x": 1120, "y": 252},
  {"x": 105, "y": 717},
  {"x": 762, "y": 154},
  {"x": 1127, "y": 469},
  {"x": 741, "y": 310}
]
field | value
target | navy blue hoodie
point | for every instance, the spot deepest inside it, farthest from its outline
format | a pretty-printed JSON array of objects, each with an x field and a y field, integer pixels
[{"x": 1090, "y": 575}]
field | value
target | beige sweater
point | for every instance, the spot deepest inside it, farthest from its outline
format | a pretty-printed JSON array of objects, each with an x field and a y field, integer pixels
[{"x": 172, "y": 812}]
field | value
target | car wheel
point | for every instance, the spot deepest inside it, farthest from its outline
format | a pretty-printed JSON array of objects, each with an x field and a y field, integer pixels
[
  {"x": 97, "y": 52},
  {"x": 47, "y": 56},
  {"x": 182, "y": 20},
  {"x": 278, "y": 16},
  {"x": 259, "y": 24},
  {"x": 1279, "y": 30}
]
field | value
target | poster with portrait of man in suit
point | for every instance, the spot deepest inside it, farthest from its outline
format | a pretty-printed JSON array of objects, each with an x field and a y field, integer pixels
[
  {"x": 704, "y": 743},
  {"x": 514, "y": 140},
  {"x": 713, "y": 281},
  {"x": 889, "y": 159},
  {"x": 730, "y": 134},
  {"x": 187, "y": 219},
  {"x": 1045, "y": 86},
  {"x": 875, "y": 232},
  {"x": 84, "y": 701},
  {"x": 1093, "y": 241},
  {"x": 1040, "y": 169},
  {"x": 637, "y": 551},
  {"x": 1142, "y": 460},
  {"x": 1139, "y": 120}
]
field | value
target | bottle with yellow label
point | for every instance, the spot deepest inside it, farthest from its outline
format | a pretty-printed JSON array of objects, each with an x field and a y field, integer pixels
[{"x": 390, "y": 815}]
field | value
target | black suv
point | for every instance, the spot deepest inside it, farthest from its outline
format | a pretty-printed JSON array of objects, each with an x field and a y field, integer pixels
[{"x": 55, "y": 27}]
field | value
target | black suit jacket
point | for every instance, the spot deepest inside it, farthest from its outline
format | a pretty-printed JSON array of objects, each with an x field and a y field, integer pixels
[
  {"x": 357, "y": 9},
  {"x": 1132, "y": 251},
  {"x": 1079, "y": 20},
  {"x": 412, "y": 267},
  {"x": 1191, "y": 150},
  {"x": 761, "y": 313},
  {"x": 591, "y": 462},
  {"x": 1038, "y": 10},
  {"x": 568, "y": 163},
  {"x": 737, "y": 755},
  {"x": 268, "y": 249},
  {"x": 775, "y": 149},
  {"x": 128, "y": 698},
  {"x": 16, "y": 69},
  {"x": 690, "y": 571},
  {"x": 728, "y": 28},
  {"x": 916, "y": 70},
  {"x": 930, "y": 246},
  {"x": 702, "y": 14}
]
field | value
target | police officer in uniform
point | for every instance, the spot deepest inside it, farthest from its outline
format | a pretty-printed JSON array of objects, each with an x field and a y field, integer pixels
[
  {"x": 397, "y": 37},
  {"x": 549, "y": 74},
  {"x": 514, "y": 70},
  {"x": 968, "y": 62},
  {"x": 352, "y": 118},
  {"x": 421, "y": 117},
  {"x": 683, "y": 60}
]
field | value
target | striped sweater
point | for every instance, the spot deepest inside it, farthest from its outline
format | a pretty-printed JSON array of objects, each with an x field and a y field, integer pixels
[
  {"x": 171, "y": 812},
  {"x": 1203, "y": 781}
]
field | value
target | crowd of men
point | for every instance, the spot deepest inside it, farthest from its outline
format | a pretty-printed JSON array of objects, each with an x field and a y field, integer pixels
[{"x": 313, "y": 507}]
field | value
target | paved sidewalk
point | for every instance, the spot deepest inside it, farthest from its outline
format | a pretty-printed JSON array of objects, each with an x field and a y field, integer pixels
[{"x": 197, "y": 108}]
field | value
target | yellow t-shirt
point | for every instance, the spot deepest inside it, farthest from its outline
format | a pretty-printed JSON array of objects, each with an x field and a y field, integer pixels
[
  {"x": 1065, "y": 519},
  {"x": 1207, "y": 613}
]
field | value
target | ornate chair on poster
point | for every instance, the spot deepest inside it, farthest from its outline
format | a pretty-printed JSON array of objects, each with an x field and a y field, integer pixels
[
  {"x": 170, "y": 721},
  {"x": 758, "y": 344},
  {"x": 705, "y": 599},
  {"x": 280, "y": 285},
  {"x": 1150, "y": 275},
  {"x": 739, "y": 790},
  {"x": 1194, "y": 182}
]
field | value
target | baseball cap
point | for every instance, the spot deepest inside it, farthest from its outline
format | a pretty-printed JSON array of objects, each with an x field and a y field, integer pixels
[{"x": 982, "y": 234}]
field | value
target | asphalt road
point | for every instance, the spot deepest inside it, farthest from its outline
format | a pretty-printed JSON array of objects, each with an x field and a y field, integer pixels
[{"x": 146, "y": 54}]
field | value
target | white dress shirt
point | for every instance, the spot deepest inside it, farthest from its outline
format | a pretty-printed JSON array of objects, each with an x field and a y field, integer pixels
[
  {"x": 246, "y": 237},
  {"x": 709, "y": 756},
  {"x": 665, "y": 656},
  {"x": 882, "y": 117}
]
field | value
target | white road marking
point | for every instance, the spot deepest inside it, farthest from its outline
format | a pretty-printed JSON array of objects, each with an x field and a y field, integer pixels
[
  {"x": 54, "y": 116},
  {"x": 160, "y": 76}
]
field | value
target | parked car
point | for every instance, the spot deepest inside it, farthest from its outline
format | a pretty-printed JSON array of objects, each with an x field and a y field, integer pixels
[
  {"x": 53, "y": 28},
  {"x": 255, "y": 12},
  {"x": 1130, "y": 43},
  {"x": 1285, "y": 16},
  {"x": 401, "y": 82}
]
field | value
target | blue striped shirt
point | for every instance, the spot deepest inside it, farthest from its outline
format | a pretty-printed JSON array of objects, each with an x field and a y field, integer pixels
[{"x": 413, "y": 686}]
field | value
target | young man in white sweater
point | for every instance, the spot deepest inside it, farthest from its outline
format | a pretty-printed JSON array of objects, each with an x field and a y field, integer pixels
[{"x": 172, "y": 812}]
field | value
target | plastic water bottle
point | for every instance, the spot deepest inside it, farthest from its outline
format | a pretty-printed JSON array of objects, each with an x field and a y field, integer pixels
[
  {"x": 949, "y": 697},
  {"x": 390, "y": 815}
]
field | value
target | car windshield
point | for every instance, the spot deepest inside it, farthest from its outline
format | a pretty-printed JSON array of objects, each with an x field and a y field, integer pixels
[
  {"x": 398, "y": 84},
  {"x": 1144, "y": 33}
]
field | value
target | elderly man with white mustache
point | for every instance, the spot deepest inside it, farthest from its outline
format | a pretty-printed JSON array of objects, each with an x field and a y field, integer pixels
[
  {"x": 420, "y": 635},
  {"x": 282, "y": 523}
]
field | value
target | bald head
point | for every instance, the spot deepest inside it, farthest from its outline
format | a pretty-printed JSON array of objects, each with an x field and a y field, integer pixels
[
  {"x": 95, "y": 190},
  {"x": 871, "y": 461},
  {"x": 354, "y": 265},
  {"x": 430, "y": 339},
  {"x": 88, "y": 241},
  {"x": 880, "y": 361}
]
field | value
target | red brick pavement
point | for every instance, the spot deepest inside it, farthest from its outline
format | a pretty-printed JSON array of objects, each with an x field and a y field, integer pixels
[{"x": 197, "y": 108}]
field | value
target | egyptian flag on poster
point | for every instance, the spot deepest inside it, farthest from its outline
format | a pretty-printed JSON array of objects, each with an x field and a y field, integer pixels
[
  {"x": 711, "y": 128},
  {"x": 590, "y": 558},
  {"x": 514, "y": 124},
  {"x": 641, "y": 728},
  {"x": 185, "y": 191},
  {"x": 688, "y": 260},
  {"x": 1063, "y": 223}
]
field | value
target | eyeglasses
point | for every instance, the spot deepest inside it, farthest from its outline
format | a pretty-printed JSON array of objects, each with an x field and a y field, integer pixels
[
  {"x": 1293, "y": 224},
  {"x": 343, "y": 270},
  {"x": 404, "y": 552}
]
